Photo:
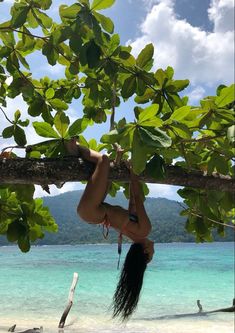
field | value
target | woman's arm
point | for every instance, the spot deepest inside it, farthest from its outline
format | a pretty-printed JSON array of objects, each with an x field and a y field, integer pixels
[{"x": 136, "y": 206}]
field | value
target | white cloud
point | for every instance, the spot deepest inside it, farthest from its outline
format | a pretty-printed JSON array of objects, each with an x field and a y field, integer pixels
[
  {"x": 149, "y": 3},
  {"x": 196, "y": 94},
  {"x": 201, "y": 56},
  {"x": 221, "y": 13},
  {"x": 56, "y": 70}
]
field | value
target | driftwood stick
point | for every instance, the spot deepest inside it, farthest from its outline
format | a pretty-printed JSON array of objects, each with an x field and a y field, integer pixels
[
  {"x": 70, "y": 301},
  {"x": 32, "y": 330},
  {"x": 229, "y": 309},
  {"x": 12, "y": 328},
  {"x": 199, "y": 305}
]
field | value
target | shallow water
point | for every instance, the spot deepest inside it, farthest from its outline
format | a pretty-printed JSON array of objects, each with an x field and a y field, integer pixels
[{"x": 34, "y": 288}]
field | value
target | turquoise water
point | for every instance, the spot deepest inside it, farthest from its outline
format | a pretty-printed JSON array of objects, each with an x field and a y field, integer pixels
[{"x": 34, "y": 288}]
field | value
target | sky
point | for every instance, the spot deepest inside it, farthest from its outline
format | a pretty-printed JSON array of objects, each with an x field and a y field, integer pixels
[{"x": 195, "y": 37}]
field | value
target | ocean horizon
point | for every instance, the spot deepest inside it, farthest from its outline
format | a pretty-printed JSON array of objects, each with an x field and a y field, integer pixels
[{"x": 34, "y": 288}]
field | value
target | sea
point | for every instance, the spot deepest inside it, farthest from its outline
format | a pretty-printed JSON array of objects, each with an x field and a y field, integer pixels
[{"x": 34, "y": 289}]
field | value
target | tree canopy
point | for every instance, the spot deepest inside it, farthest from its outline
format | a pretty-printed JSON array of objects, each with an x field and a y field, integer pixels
[{"x": 166, "y": 133}]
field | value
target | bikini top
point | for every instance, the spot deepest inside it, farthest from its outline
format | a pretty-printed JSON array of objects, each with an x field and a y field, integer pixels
[{"x": 106, "y": 226}]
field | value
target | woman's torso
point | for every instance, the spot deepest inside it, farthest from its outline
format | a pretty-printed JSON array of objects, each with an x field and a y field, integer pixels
[{"x": 119, "y": 218}]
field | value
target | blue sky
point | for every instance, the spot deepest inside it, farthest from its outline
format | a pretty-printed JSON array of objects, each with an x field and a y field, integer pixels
[{"x": 193, "y": 36}]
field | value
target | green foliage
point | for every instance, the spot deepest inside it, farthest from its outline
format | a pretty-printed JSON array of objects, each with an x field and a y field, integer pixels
[
  {"x": 101, "y": 4},
  {"x": 104, "y": 74},
  {"x": 23, "y": 219}
]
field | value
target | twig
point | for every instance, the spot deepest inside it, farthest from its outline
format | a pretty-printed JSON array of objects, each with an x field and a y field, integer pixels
[
  {"x": 201, "y": 216},
  {"x": 205, "y": 139},
  {"x": 6, "y": 116},
  {"x": 112, "y": 118},
  {"x": 13, "y": 147},
  {"x": 23, "y": 32},
  {"x": 212, "y": 220}
]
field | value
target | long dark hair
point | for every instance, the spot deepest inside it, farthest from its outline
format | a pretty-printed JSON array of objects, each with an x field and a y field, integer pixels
[{"x": 127, "y": 293}]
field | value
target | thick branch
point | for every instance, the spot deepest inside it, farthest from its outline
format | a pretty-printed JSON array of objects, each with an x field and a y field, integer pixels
[{"x": 72, "y": 169}]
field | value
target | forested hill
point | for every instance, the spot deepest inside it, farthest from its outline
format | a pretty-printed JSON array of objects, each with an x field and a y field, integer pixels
[{"x": 167, "y": 224}]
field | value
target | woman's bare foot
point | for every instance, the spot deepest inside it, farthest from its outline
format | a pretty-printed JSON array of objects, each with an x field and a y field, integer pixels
[
  {"x": 119, "y": 153},
  {"x": 72, "y": 147}
]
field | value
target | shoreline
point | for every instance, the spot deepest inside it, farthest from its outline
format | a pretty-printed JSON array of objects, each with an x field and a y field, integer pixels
[
  {"x": 115, "y": 243},
  {"x": 92, "y": 324}
]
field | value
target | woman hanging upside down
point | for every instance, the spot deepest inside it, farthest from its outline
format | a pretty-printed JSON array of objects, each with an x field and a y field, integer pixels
[{"x": 133, "y": 223}]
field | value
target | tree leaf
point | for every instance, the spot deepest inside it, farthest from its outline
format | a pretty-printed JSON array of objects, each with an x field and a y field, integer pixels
[
  {"x": 129, "y": 87},
  {"x": 93, "y": 53},
  {"x": 155, "y": 167},
  {"x": 153, "y": 122},
  {"x": 19, "y": 14},
  {"x": 161, "y": 78},
  {"x": 169, "y": 72},
  {"x": 138, "y": 156},
  {"x": 148, "y": 113},
  {"x": 50, "y": 52},
  {"x": 181, "y": 130},
  {"x": 19, "y": 136},
  {"x": 106, "y": 22},
  {"x": 227, "y": 96},
  {"x": 218, "y": 163},
  {"x": 8, "y": 132},
  {"x": 78, "y": 127},
  {"x": 43, "y": 4},
  {"x": 58, "y": 104},
  {"x": 148, "y": 96},
  {"x": 61, "y": 122},
  {"x": 110, "y": 137},
  {"x": 17, "y": 115},
  {"x": 50, "y": 93},
  {"x": 45, "y": 130},
  {"x": 69, "y": 12},
  {"x": 24, "y": 192},
  {"x": 101, "y": 4},
  {"x": 74, "y": 67},
  {"x": 44, "y": 19},
  {"x": 33, "y": 23},
  {"x": 60, "y": 35},
  {"x": 176, "y": 85},
  {"x": 145, "y": 55},
  {"x": 23, "y": 61},
  {"x": 180, "y": 113},
  {"x": 154, "y": 137},
  {"x": 36, "y": 107},
  {"x": 141, "y": 86}
]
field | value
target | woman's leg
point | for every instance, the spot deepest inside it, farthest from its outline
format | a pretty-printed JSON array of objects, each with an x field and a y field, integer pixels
[{"x": 90, "y": 207}]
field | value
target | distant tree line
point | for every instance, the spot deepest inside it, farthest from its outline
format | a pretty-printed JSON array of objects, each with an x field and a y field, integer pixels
[{"x": 167, "y": 225}]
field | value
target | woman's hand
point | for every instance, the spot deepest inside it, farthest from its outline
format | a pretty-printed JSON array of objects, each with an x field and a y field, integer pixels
[{"x": 148, "y": 246}]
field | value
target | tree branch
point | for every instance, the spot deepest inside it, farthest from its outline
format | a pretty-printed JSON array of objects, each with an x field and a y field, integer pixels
[{"x": 73, "y": 169}]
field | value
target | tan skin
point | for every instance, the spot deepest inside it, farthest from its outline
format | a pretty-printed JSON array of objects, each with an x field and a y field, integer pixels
[{"x": 92, "y": 209}]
